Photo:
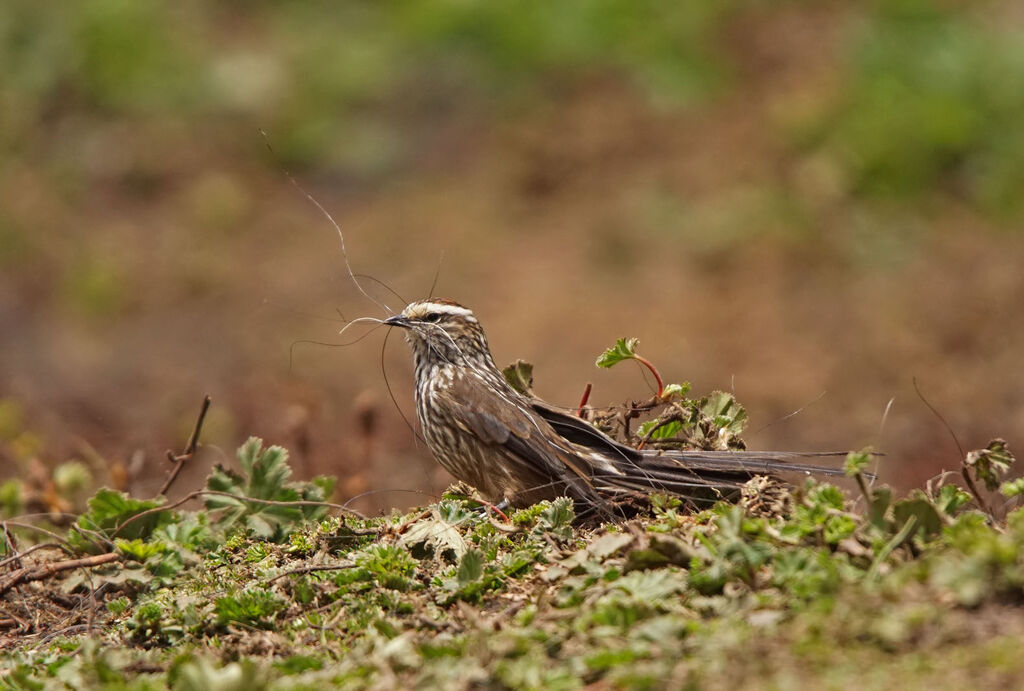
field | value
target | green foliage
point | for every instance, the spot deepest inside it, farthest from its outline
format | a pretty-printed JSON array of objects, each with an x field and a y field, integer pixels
[
  {"x": 675, "y": 390},
  {"x": 624, "y": 349},
  {"x": 544, "y": 600},
  {"x": 714, "y": 421},
  {"x": 255, "y": 607},
  {"x": 319, "y": 69},
  {"x": 71, "y": 478},
  {"x": 203, "y": 675},
  {"x": 932, "y": 97},
  {"x": 519, "y": 376},
  {"x": 991, "y": 463},
  {"x": 951, "y": 499},
  {"x": 857, "y": 462},
  {"x": 556, "y": 519},
  {"x": 108, "y": 517},
  {"x": 12, "y": 494},
  {"x": 391, "y": 566},
  {"x": 264, "y": 477},
  {"x": 1012, "y": 488},
  {"x": 657, "y": 430}
]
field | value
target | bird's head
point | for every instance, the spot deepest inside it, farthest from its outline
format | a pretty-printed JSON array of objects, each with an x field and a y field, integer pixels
[{"x": 443, "y": 331}]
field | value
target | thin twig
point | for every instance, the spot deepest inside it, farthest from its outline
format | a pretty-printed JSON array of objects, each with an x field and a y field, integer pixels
[
  {"x": 937, "y": 414},
  {"x": 27, "y": 574},
  {"x": 190, "y": 448},
  {"x": 796, "y": 412},
  {"x": 30, "y": 550},
  {"x": 311, "y": 569},
  {"x": 29, "y": 526},
  {"x": 12, "y": 546},
  {"x": 973, "y": 488}
]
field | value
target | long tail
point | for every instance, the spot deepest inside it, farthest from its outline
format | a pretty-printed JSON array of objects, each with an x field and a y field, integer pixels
[{"x": 679, "y": 472}]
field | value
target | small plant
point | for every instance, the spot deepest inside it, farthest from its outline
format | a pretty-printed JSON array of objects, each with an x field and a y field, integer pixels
[
  {"x": 278, "y": 507},
  {"x": 255, "y": 607}
]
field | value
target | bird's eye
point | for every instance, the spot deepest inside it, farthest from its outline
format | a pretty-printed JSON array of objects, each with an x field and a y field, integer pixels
[{"x": 433, "y": 317}]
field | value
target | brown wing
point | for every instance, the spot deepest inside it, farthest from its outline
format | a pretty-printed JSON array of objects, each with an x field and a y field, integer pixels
[{"x": 533, "y": 454}]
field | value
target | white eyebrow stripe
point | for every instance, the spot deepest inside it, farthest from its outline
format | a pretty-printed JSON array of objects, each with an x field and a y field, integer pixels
[{"x": 425, "y": 308}]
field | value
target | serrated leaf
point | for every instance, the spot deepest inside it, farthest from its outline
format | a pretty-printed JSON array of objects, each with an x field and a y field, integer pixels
[
  {"x": 726, "y": 412},
  {"x": 140, "y": 550},
  {"x": 653, "y": 586},
  {"x": 609, "y": 544},
  {"x": 990, "y": 463},
  {"x": 264, "y": 476},
  {"x": 928, "y": 520},
  {"x": 519, "y": 376},
  {"x": 667, "y": 431},
  {"x": 881, "y": 499},
  {"x": 624, "y": 349},
  {"x": 437, "y": 534},
  {"x": 109, "y": 510},
  {"x": 471, "y": 568}
]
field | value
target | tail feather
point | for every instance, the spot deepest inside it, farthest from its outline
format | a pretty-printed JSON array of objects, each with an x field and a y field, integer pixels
[
  {"x": 681, "y": 472},
  {"x": 751, "y": 462}
]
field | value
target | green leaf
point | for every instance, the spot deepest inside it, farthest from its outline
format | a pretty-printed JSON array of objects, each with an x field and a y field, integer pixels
[
  {"x": 624, "y": 349},
  {"x": 856, "y": 462},
  {"x": 471, "y": 568},
  {"x": 139, "y": 550},
  {"x": 990, "y": 463},
  {"x": 652, "y": 586},
  {"x": 951, "y": 499},
  {"x": 666, "y": 431},
  {"x": 265, "y": 474},
  {"x": 719, "y": 421},
  {"x": 109, "y": 510},
  {"x": 928, "y": 521},
  {"x": 1012, "y": 488},
  {"x": 726, "y": 412},
  {"x": 255, "y": 607},
  {"x": 519, "y": 376},
  {"x": 671, "y": 390},
  {"x": 556, "y": 518},
  {"x": 881, "y": 499}
]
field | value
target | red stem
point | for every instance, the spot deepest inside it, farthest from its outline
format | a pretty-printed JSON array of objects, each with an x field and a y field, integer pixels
[
  {"x": 654, "y": 370},
  {"x": 583, "y": 400}
]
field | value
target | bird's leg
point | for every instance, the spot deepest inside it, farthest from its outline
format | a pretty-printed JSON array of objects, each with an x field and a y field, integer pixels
[{"x": 499, "y": 508}]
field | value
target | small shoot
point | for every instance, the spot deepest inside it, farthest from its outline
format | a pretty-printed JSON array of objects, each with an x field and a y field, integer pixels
[
  {"x": 856, "y": 462},
  {"x": 625, "y": 349}
]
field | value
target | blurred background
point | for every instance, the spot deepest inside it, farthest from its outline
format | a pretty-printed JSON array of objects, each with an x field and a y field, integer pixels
[{"x": 778, "y": 199}]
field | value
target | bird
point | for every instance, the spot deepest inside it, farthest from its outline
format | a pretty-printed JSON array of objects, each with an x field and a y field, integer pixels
[{"x": 516, "y": 450}]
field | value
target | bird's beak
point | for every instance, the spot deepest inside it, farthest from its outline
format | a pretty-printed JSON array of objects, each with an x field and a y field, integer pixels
[{"x": 398, "y": 320}]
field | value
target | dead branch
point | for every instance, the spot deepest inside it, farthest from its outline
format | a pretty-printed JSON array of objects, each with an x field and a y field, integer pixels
[
  {"x": 190, "y": 448},
  {"x": 30, "y": 550},
  {"x": 38, "y": 573}
]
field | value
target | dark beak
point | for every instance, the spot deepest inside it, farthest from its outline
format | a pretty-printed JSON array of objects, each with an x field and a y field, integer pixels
[{"x": 398, "y": 320}]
